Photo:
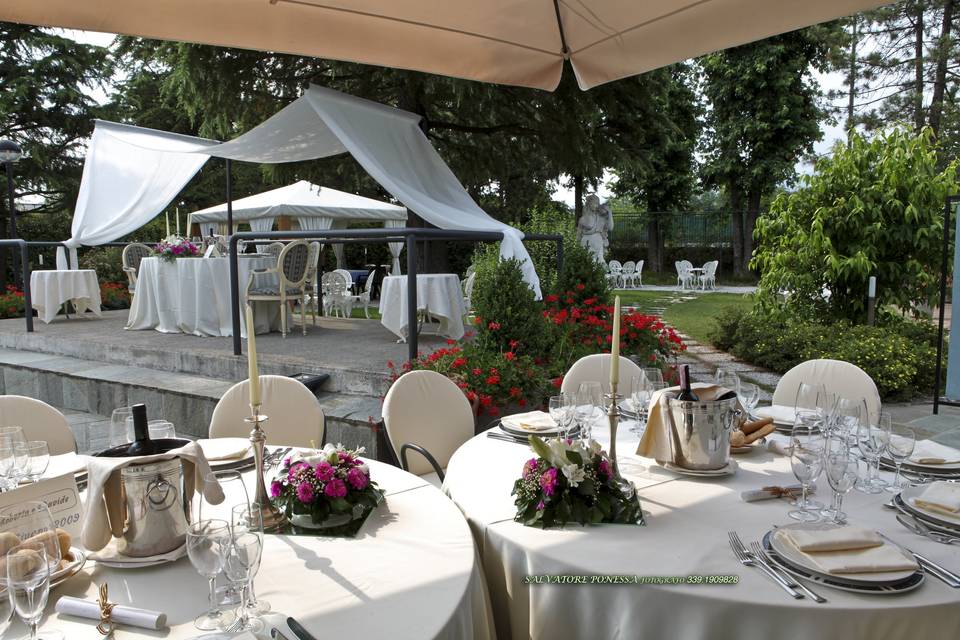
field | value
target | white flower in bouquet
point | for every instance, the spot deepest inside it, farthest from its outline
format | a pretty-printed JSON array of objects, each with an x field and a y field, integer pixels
[{"x": 574, "y": 473}]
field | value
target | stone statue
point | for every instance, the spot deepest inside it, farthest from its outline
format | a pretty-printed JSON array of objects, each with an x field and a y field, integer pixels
[{"x": 594, "y": 227}]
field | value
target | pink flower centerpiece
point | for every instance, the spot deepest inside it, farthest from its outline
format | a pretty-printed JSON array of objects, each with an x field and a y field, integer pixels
[
  {"x": 173, "y": 247},
  {"x": 325, "y": 488}
]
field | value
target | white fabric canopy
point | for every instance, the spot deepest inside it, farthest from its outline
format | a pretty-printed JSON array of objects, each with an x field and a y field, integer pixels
[
  {"x": 136, "y": 172},
  {"x": 303, "y": 200},
  {"x": 503, "y": 41}
]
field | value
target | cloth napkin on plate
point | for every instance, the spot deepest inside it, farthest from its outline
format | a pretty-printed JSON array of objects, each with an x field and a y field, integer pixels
[
  {"x": 655, "y": 442},
  {"x": 848, "y": 550},
  {"x": 532, "y": 421},
  {"x": 928, "y": 452},
  {"x": 942, "y": 497},
  {"x": 780, "y": 413},
  {"x": 217, "y": 449},
  {"x": 104, "y": 496}
]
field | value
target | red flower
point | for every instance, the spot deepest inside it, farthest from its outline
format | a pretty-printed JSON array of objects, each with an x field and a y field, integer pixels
[
  {"x": 522, "y": 402},
  {"x": 459, "y": 362},
  {"x": 485, "y": 400},
  {"x": 509, "y": 355},
  {"x": 515, "y": 392},
  {"x": 390, "y": 364},
  {"x": 493, "y": 326},
  {"x": 552, "y": 297},
  {"x": 493, "y": 380},
  {"x": 581, "y": 287},
  {"x": 514, "y": 344},
  {"x": 451, "y": 341},
  {"x": 557, "y": 382},
  {"x": 494, "y": 411},
  {"x": 477, "y": 372}
]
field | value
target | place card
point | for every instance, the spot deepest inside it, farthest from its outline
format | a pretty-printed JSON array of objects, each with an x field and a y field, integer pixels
[{"x": 60, "y": 494}]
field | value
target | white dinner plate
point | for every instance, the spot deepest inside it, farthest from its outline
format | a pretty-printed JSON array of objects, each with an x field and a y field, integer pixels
[
  {"x": 69, "y": 569},
  {"x": 728, "y": 470},
  {"x": 126, "y": 562},
  {"x": 782, "y": 415},
  {"x": 793, "y": 556},
  {"x": 910, "y": 493}
]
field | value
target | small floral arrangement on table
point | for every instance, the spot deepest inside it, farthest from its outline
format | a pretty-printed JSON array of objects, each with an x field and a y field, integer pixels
[
  {"x": 330, "y": 485},
  {"x": 173, "y": 247},
  {"x": 571, "y": 482}
]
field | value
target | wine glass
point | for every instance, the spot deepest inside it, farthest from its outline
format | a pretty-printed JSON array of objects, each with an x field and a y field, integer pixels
[
  {"x": 653, "y": 374},
  {"x": 234, "y": 489},
  {"x": 250, "y": 520},
  {"x": 809, "y": 396},
  {"x": 9, "y": 471},
  {"x": 728, "y": 379},
  {"x": 749, "y": 396},
  {"x": 558, "y": 409},
  {"x": 842, "y": 470},
  {"x": 161, "y": 429},
  {"x": 902, "y": 442},
  {"x": 884, "y": 425},
  {"x": 207, "y": 541},
  {"x": 589, "y": 402},
  {"x": 871, "y": 443},
  {"x": 806, "y": 461},
  {"x": 28, "y": 585},
  {"x": 118, "y": 426},
  {"x": 6, "y": 606},
  {"x": 848, "y": 415},
  {"x": 35, "y": 457},
  {"x": 241, "y": 556},
  {"x": 639, "y": 398}
]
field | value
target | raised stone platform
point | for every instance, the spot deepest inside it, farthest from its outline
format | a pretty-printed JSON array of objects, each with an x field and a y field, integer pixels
[{"x": 93, "y": 365}]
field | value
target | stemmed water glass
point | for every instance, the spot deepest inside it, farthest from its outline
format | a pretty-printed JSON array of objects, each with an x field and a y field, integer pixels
[
  {"x": 233, "y": 486},
  {"x": 118, "y": 426},
  {"x": 749, "y": 396},
  {"x": 872, "y": 442},
  {"x": 33, "y": 457},
  {"x": 561, "y": 410},
  {"x": 241, "y": 558},
  {"x": 806, "y": 460},
  {"x": 848, "y": 415},
  {"x": 589, "y": 403},
  {"x": 207, "y": 542},
  {"x": 902, "y": 442},
  {"x": 248, "y": 519},
  {"x": 28, "y": 585},
  {"x": 6, "y": 606},
  {"x": 728, "y": 379},
  {"x": 9, "y": 470},
  {"x": 814, "y": 397},
  {"x": 842, "y": 469}
]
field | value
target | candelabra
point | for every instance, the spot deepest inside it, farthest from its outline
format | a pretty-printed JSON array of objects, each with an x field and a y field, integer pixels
[
  {"x": 272, "y": 518},
  {"x": 613, "y": 416}
]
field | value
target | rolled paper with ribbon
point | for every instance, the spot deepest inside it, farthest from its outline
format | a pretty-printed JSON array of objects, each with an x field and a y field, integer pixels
[
  {"x": 772, "y": 493},
  {"x": 109, "y": 614}
]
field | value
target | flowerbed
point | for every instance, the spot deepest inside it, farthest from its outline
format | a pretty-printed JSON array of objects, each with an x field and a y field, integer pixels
[
  {"x": 11, "y": 303},
  {"x": 114, "y": 295}
]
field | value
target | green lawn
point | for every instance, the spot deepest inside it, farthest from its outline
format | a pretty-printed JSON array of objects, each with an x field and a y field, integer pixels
[{"x": 692, "y": 314}]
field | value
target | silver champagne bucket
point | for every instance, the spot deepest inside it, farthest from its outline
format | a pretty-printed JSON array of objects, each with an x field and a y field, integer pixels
[
  {"x": 700, "y": 431},
  {"x": 156, "y": 510}
]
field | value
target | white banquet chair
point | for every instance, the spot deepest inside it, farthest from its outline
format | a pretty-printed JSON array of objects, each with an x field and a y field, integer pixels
[
  {"x": 468, "y": 285},
  {"x": 425, "y": 412},
  {"x": 131, "y": 257},
  {"x": 296, "y": 418},
  {"x": 845, "y": 379},
  {"x": 291, "y": 270},
  {"x": 39, "y": 421},
  {"x": 362, "y": 298},
  {"x": 596, "y": 368}
]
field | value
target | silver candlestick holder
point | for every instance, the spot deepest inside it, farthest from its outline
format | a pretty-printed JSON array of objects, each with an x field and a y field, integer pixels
[
  {"x": 613, "y": 416},
  {"x": 270, "y": 515}
]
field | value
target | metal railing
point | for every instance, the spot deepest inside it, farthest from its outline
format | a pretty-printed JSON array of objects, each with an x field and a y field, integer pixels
[
  {"x": 408, "y": 235},
  {"x": 25, "y": 271}
]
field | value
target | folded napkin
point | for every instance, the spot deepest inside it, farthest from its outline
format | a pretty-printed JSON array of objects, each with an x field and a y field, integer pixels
[
  {"x": 845, "y": 550},
  {"x": 780, "y": 413},
  {"x": 111, "y": 554},
  {"x": 104, "y": 499},
  {"x": 224, "y": 448},
  {"x": 655, "y": 442},
  {"x": 133, "y": 616},
  {"x": 533, "y": 421},
  {"x": 928, "y": 452},
  {"x": 942, "y": 497},
  {"x": 835, "y": 539}
]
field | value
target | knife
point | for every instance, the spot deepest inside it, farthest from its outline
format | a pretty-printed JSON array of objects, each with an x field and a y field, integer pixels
[
  {"x": 276, "y": 634},
  {"x": 298, "y": 630}
]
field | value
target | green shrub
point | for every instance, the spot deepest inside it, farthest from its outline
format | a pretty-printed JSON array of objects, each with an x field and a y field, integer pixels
[
  {"x": 543, "y": 253},
  {"x": 579, "y": 268},
  {"x": 106, "y": 261},
  {"x": 508, "y": 315}
]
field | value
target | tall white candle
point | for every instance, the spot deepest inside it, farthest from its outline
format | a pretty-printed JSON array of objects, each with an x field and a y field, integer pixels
[
  {"x": 178, "y": 220},
  {"x": 615, "y": 344},
  {"x": 166, "y": 215},
  {"x": 253, "y": 373}
]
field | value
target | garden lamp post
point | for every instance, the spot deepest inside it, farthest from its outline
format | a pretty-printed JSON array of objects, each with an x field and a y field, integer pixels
[{"x": 10, "y": 152}]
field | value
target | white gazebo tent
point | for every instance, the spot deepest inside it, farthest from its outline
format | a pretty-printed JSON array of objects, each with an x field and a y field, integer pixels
[{"x": 313, "y": 207}]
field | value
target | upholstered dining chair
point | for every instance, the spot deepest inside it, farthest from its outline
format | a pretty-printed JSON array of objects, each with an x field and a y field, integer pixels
[
  {"x": 39, "y": 421},
  {"x": 291, "y": 270},
  {"x": 273, "y": 249},
  {"x": 132, "y": 255},
  {"x": 426, "y": 414},
  {"x": 596, "y": 368},
  {"x": 296, "y": 418},
  {"x": 313, "y": 289},
  {"x": 842, "y": 378}
]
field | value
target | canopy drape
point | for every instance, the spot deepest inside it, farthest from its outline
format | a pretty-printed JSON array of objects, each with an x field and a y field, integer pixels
[
  {"x": 395, "y": 247},
  {"x": 261, "y": 224}
]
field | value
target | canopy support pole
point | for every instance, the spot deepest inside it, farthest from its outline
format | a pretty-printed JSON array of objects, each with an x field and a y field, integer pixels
[
  {"x": 229, "y": 200},
  {"x": 413, "y": 335},
  {"x": 235, "y": 290}
]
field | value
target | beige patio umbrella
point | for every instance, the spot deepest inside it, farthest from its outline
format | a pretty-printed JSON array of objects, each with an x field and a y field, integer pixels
[{"x": 516, "y": 42}]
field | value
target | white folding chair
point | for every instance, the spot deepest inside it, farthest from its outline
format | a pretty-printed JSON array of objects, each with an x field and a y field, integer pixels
[
  {"x": 426, "y": 413},
  {"x": 39, "y": 421},
  {"x": 296, "y": 418}
]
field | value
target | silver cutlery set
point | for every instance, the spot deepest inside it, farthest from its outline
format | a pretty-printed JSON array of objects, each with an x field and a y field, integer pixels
[{"x": 758, "y": 558}]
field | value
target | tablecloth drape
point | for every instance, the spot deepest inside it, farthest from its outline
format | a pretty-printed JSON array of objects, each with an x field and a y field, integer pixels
[
  {"x": 51, "y": 288},
  {"x": 438, "y": 292}
]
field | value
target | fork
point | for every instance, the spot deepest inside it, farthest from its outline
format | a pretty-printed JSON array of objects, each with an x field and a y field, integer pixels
[
  {"x": 761, "y": 555},
  {"x": 913, "y": 524},
  {"x": 746, "y": 560}
]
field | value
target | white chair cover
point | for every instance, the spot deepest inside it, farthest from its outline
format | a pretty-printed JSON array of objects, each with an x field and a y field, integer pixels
[
  {"x": 296, "y": 418},
  {"x": 39, "y": 421},
  {"x": 596, "y": 368},
  {"x": 427, "y": 409},
  {"x": 842, "y": 378}
]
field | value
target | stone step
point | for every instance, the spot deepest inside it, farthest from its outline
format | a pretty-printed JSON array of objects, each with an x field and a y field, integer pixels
[{"x": 95, "y": 387}]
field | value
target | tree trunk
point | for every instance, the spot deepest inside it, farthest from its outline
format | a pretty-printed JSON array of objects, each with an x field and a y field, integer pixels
[
  {"x": 852, "y": 80},
  {"x": 654, "y": 245},
  {"x": 918, "y": 118},
  {"x": 736, "y": 230},
  {"x": 577, "y": 198},
  {"x": 749, "y": 223},
  {"x": 940, "y": 76}
]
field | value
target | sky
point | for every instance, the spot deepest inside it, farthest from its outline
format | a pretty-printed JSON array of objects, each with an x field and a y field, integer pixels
[{"x": 828, "y": 81}]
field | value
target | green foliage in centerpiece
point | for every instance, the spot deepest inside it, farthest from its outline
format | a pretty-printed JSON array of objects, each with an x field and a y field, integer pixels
[
  {"x": 330, "y": 482},
  {"x": 571, "y": 482}
]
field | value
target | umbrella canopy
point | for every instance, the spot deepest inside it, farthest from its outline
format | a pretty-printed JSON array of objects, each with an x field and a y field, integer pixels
[
  {"x": 516, "y": 42},
  {"x": 303, "y": 200}
]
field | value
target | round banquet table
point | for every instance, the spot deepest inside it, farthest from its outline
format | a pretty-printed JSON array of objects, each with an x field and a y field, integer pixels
[
  {"x": 687, "y": 521},
  {"x": 438, "y": 293},
  {"x": 192, "y": 295},
  {"x": 411, "y": 572}
]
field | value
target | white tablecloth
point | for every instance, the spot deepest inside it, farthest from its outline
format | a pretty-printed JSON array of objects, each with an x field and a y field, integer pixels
[
  {"x": 686, "y": 534},
  {"x": 412, "y": 572},
  {"x": 51, "y": 288},
  {"x": 439, "y": 293},
  {"x": 192, "y": 295}
]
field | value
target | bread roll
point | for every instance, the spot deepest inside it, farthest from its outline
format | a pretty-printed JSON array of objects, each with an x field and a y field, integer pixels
[
  {"x": 21, "y": 562},
  {"x": 60, "y": 538},
  {"x": 8, "y": 541},
  {"x": 761, "y": 432},
  {"x": 737, "y": 439},
  {"x": 750, "y": 427}
]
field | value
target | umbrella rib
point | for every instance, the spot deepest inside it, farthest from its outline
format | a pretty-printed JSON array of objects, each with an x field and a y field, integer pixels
[
  {"x": 640, "y": 25},
  {"x": 367, "y": 14},
  {"x": 563, "y": 36}
]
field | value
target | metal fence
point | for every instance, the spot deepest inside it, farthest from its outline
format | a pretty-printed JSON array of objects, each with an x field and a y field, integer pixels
[{"x": 693, "y": 235}]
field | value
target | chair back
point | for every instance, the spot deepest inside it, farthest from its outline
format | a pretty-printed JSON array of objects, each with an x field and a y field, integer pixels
[
  {"x": 639, "y": 266},
  {"x": 629, "y": 267},
  {"x": 346, "y": 275},
  {"x": 615, "y": 266},
  {"x": 710, "y": 269},
  {"x": 134, "y": 253},
  {"x": 274, "y": 249},
  {"x": 371, "y": 279},
  {"x": 469, "y": 284},
  {"x": 292, "y": 264},
  {"x": 596, "y": 368},
  {"x": 296, "y": 418},
  {"x": 840, "y": 377},
  {"x": 333, "y": 283},
  {"x": 313, "y": 261},
  {"x": 39, "y": 421},
  {"x": 427, "y": 409}
]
